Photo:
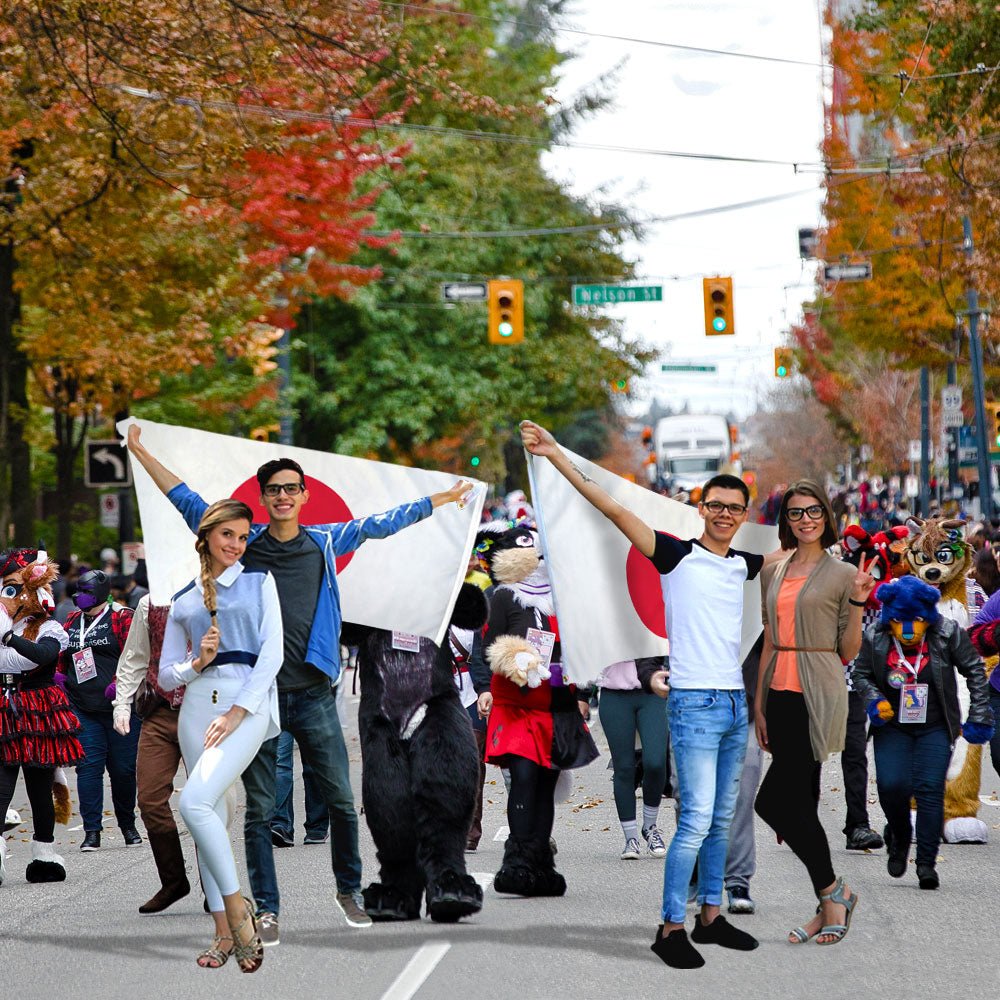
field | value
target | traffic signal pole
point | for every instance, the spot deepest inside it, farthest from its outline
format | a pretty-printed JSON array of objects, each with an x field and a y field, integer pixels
[{"x": 978, "y": 382}]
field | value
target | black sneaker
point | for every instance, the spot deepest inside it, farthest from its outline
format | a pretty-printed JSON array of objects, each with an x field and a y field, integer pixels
[
  {"x": 864, "y": 838},
  {"x": 928, "y": 877},
  {"x": 131, "y": 837},
  {"x": 740, "y": 900},
  {"x": 897, "y": 860},
  {"x": 279, "y": 839},
  {"x": 721, "y": 932},
  {"x": 91, "y": 841}
]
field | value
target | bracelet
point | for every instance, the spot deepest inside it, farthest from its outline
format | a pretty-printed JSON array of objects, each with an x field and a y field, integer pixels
[
  {"x": 857, "y": 604},
  {"x": 7, "y": 636}
]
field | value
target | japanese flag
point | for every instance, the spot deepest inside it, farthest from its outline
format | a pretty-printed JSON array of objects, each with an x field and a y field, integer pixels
[
  {"x": 407, "y": 582},
  {"x": 608, "y": 595}
]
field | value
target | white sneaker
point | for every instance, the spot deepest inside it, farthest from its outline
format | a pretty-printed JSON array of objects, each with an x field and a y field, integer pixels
[
  {"x": 632, "y": 850},
  {"x": 3, "y": 858}
]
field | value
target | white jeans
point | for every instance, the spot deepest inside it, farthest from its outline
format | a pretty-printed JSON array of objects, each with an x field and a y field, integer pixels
[{"x": 203, "y": 801}]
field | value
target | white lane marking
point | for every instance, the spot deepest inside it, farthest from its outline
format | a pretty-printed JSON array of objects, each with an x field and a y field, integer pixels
[
  {"x": 73, "y": 829},
  {"x": 502, "y": 834},
  {"x": 484, "y": 879},
  {"x": 416, "y": 971},
  {"x": 989, "y": 800}
]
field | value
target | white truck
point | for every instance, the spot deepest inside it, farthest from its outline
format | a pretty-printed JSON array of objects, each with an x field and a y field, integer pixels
[{"x": 692, "y": 448}]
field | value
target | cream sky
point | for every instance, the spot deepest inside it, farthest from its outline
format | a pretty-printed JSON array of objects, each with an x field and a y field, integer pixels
[{"x": 666, "y": 99}]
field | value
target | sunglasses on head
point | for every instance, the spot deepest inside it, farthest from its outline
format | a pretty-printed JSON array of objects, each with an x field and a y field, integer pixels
[
  {"x": 292, "y": 489},
  {"x": 717, "y": 507}
]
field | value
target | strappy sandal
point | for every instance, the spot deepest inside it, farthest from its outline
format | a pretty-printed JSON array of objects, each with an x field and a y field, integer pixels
[
  {"x": 252, "y": 951},
  {"x": 838, "y": 931},
  {"x": 214, "y": 957},
  {"x": 801, "y": 935}
]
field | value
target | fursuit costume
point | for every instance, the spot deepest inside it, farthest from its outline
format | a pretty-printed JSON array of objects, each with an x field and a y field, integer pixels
[
  {"x": 420, "y": 769},
  {"x": 906, "y": 673},
  {"x": 37, "y": 726},
  {"x": 535, "y": 727}
]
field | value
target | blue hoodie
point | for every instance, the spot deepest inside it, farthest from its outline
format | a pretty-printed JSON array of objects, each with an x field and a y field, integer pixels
[{"x": 334, "y": 540}]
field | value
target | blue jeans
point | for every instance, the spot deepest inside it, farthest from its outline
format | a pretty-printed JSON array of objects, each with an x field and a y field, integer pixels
[
  {"x": 106, "y": 750},
  {"x": 912, "y": 764},
  {"x": 317, "y": 815},
  {"x": 708, "y": 734},
  {"x": 311, "y": 718}
]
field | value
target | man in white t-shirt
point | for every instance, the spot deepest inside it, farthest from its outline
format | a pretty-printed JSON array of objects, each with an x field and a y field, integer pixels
[{"x": 702, "y": 583}]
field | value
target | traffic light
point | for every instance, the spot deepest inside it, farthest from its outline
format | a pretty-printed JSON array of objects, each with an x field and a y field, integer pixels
[
  {"x": 992, "y": 424},
  {"x": 782, "y": 362},
  {"x": 506, "y": 309},
  {"x": 718, "y": 293},
  {"x": 620, "y": 385},
  {"x": 807, "y": 244},
  {"x": 474, "y": 461},
  {"x": 264, "y": 433}
]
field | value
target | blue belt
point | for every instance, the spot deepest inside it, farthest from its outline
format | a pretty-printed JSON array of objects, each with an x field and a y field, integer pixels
[{"x": 235, "y": 656}]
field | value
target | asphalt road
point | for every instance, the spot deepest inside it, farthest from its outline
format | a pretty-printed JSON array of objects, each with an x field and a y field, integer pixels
[{"x": 85, "y": 937}]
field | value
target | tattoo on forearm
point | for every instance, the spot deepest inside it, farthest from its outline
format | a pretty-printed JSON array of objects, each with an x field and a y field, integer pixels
[{"x": 583, "y": 475}]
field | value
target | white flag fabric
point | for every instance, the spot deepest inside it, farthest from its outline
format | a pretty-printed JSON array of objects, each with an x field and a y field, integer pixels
[
  {"x": 407, "y": 582},
  {"x": 608, "y": 596}
]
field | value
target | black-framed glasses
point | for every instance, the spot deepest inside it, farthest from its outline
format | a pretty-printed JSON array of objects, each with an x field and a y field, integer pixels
[
  {"x": 292, "y": 489},
  {"x": 717, "y": 507},
  {"x": 814, "y": 512}
]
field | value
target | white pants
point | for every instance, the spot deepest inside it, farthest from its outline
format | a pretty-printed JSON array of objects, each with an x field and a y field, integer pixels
[{"x": 203, "y": 801}]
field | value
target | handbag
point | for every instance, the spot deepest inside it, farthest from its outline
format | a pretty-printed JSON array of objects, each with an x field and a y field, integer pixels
[{"x": 146, "y": 699}]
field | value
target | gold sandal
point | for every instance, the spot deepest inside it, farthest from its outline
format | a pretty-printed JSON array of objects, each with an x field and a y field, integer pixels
[
  {"x": 253, "y": 950},
  {"x": 214, "y": 957}
]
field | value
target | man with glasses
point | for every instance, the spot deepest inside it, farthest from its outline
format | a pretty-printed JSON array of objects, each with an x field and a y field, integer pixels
[
  {"x": 302, "y": 561},
  {"x": 702, "y": 582}
]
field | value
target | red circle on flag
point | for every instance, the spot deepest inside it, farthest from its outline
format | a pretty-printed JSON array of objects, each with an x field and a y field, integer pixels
[
  {"x": 325, "y": 506},
  {"x": 646, "y": 592}
]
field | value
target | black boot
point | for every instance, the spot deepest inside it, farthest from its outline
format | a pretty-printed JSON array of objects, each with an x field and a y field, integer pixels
[
  {"x": 169, "y": 858},
  {"x": 452, "y": 896},
  {"x": 897, "y": 853},
  {"x": 548, "y": 882},
  {"x": 517, "y": 875},
  {"x": 388, "y": 902}
]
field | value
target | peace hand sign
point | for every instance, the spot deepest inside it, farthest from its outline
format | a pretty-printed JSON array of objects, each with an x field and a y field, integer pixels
[{"x": 864, "y": 582}]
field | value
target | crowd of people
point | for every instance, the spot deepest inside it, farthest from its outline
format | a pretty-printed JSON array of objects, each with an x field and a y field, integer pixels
[{"x": 246, "y": 661}]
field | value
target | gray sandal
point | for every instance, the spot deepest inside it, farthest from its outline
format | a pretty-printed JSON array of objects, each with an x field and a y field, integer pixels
[
  {"x": 838, "y": 931},
  {"x": 801, "y": 935}
]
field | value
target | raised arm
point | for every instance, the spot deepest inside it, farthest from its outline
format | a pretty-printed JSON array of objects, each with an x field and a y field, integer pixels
[
  {"x": 165, "y": 480},
  {"x": 538, "y": 441}
]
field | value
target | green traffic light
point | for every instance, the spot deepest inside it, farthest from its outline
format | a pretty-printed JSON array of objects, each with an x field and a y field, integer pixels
[
  {"x": 505, "y": 329},
  {"x": 781, "y": 371},
  {"x": 474, "y": 461},
  {"x": 719, "y": 324}
]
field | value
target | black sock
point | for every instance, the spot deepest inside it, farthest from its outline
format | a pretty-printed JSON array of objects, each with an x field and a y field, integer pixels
[
  {"x": 676, "y": 950},
  {"x": 723, "y": 933}
]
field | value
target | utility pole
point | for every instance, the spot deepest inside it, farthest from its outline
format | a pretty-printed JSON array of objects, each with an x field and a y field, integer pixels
[
  {"x": 978, "y": 381},
  {"x": 925, "y": 440},
  {"x": 953, "y": 482}
]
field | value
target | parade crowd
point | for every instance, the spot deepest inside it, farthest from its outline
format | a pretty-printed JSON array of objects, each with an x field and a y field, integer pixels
[{"x": 887, "y": 631}]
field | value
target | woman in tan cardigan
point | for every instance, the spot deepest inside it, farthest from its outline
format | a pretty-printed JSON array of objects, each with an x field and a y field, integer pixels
[{"x": 811, "y": 606}]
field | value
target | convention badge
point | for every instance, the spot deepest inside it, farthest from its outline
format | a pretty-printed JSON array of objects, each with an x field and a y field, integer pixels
[
  {"x": 544, "y": 643},
  {"x": 913, "y": 702},
  {"x": 897, "y": 678},
  {"x": 406, "y": 642},
  {"x": 84, "y": 665}
]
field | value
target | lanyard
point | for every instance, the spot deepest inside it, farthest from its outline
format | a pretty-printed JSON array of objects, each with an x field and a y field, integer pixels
[
  {"x": 904, "y": 661},
  {"x": 84, "y": 632}
]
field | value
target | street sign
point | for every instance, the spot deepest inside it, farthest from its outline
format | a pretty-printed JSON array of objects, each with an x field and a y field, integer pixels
[
  {"x": 912, "y": 487},
  {"x": 848, "y": 272},
  {"x": 914, "y": 452},
  {"x": 132, "y": 552},
  {"x": 106, "y": 464},
  {"x": 867, "y": 453},
  {"x": 688, "y": 368},
  {"x": 951, "y": 397},
  {"x": 968, "y": 450},
  {"x": 110, "y": 510},
  {"x": 463, "y": 291},
  {"x": 952, "y": 418},
  {"x": 599, "y": 295}
]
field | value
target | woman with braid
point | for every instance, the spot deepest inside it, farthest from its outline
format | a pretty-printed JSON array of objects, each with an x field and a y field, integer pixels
[{"x": 224, "y": 642}]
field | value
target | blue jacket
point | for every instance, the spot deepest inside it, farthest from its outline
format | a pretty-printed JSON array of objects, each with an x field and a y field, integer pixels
[{"x": 334, "y": 540}]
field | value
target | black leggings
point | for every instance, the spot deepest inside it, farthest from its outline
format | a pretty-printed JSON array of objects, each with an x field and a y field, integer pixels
[
  {"x": 788, "y": 800},
  {"x": 531, "y": 808},
  {"x": 38, "y": 782}
]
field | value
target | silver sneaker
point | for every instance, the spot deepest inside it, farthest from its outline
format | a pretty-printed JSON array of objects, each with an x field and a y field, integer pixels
[
  {"x": 632, "y": 850},
  {"x": 654, "y": 841},
  {"x": 267, "y": 928},
  {"x": 352, "y": 906},
  {"x": 740, "y": 900}
]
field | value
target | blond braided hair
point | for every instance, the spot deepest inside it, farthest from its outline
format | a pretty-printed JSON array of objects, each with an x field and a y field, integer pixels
[{"x": 218, "y": 513}]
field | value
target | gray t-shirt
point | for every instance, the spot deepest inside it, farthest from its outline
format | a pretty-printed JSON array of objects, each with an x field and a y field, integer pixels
[{"x": 297, "y": 568}]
